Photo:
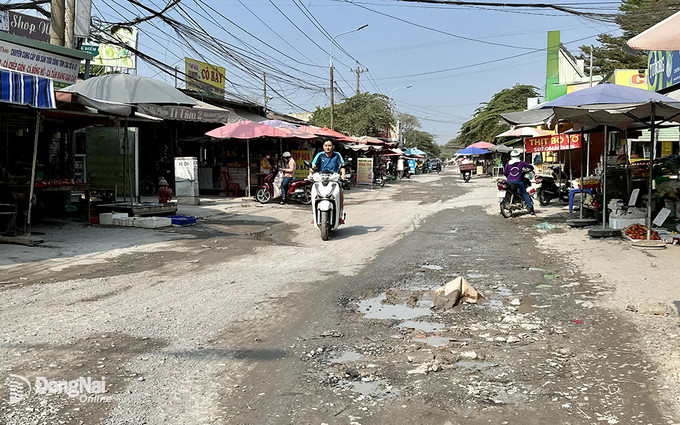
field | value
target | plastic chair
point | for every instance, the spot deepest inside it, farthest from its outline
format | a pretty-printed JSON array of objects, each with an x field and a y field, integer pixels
[
  {"x": 229, "y": 185},
  {"x": 572, "y": 192}
]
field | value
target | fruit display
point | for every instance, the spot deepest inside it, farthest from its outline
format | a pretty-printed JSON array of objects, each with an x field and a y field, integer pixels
[{"x": 638, "y": 231}]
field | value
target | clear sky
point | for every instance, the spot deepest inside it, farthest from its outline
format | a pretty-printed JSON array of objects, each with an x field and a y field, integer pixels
[{"x": 453, "y": 57}]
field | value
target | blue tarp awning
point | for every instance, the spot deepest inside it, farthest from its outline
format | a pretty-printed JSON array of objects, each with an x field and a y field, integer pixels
[
  {"x": 25, "y": 89},
  {"x": 472, "y": 151}
]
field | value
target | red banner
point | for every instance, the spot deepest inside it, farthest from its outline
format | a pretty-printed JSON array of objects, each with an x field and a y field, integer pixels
[{"x": 556, "y": 142}]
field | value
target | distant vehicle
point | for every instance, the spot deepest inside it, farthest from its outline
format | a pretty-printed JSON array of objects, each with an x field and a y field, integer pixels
[{"x": 435, "y": 165}]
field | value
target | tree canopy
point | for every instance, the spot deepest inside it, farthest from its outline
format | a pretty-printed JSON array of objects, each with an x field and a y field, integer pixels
[
  {"x": 364, "y": 114},
  {"x": 635, "y": 17},
  {"x": 484, "y": 126}
]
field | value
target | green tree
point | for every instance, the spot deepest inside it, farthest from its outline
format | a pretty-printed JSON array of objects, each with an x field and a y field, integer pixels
[
  {"x": 423, "y": 141},
  {"x": 484, "y": 126},
  {"x": 635, "y": 17},
  {"x": 408, "y": 122},
  {"x": 364, "y": 114}
]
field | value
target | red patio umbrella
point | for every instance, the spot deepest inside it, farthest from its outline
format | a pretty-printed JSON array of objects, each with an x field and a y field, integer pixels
[
  {"x": 481, "y": 145},
  {"x": 246, "y": 130}
]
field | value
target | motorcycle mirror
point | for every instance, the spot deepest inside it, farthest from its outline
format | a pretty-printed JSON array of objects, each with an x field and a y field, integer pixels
[{"x": 307, "y": 163}]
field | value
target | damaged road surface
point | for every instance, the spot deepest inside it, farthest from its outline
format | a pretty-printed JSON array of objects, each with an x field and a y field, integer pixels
[{"x": 344, "y": 331}]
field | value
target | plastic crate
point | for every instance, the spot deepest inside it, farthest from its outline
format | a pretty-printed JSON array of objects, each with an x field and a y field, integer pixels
[{"x": 181, "y": 220}]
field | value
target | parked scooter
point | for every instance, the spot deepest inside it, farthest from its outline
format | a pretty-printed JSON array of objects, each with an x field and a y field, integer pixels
[
  {"x": 299, "y": 190},
  {"x": 349, "y": 179},
  {"x": 549, "y": 188},
  {"x": 379, "y": 177},
  {"x": 512, "y": 200},
  {"x": 326, "y": 193}
]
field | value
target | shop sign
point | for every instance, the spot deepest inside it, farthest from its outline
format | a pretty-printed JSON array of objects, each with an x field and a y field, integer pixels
[
  {"x": 204, "y": 77},
  {"x": 301, "y": 170},
  {"x": 115, "y": 55},
  {"x": 364, "y": 170},
  {"x": 25, "y": 26},
  {"x": 184, "y": 113},
  {"x": 40, "y": 63},
  {"x": 555, "y": 142},
  {"x": 663, "y": 69}
]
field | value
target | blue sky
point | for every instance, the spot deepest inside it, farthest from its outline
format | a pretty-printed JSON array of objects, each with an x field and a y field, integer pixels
[{"x": 455, "y": 58}]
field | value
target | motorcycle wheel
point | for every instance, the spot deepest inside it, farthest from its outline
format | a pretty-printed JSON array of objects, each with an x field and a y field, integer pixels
[
  {"x": 543, "y": 198},
  {"x": 263, "y": 196},
  {"x": 466, "y": 177},
  {"x": 306, "y": 197},
  {"x": 382, "y": 181},
  {"x": 505, "y": 211},
  {"x": 325, "y": 225}
]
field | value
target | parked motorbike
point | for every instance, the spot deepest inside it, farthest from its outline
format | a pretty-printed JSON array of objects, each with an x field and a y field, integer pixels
[
  {"x": 549, "y": 188},
  {"x": 349, "y": 179},
  {"x": 512, "y": 200},
  {"x": 379, "y": 177},
  {"x": 299, "y": 190},
  {"x": 326, "y": 193},
  {"x": 407, "y": 172}
]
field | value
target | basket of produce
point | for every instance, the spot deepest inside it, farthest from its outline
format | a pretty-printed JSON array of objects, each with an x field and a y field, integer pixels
[{"x": 638, "y": 232}]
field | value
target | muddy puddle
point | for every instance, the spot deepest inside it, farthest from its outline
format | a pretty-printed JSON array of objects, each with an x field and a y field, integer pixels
[
  {"x": 373, "y": 389},
  {"x": 347, "y": 356},
  {"x": 378, "y": 308}
]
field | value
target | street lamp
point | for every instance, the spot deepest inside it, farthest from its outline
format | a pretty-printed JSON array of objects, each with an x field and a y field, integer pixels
[
  {"x": 398, "y": 121},
  {"x": 398, "y": 88},
  {"x": 331, "y": 63}
]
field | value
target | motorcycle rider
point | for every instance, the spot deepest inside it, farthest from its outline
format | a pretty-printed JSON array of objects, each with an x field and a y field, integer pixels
[
  {"x": 331, "y": 161},
  {"x": 288, "y": 169},
  {"x": 513, "y": 172}
]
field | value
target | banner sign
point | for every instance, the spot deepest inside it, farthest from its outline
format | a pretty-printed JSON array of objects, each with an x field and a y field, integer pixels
[
  {"x": 301, "y": 170},
  {"x": 663, "y": 69},
  {"x": 364, "y": 170},
  {"x": 204, "y": 77},
  {"x": 184, "y": 113},
  {"x": 25, "y": 25},
  {"x": 112, "y": 54},
  {"x": 40, "y": 63},
  {"x": 555, "y": 142}
]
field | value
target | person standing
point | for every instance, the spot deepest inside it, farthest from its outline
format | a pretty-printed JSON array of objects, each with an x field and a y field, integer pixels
[
  {"x": 400, "y": 167},
  {"x": 288, "y": 170},
  {"x": 513, "y": 172}
]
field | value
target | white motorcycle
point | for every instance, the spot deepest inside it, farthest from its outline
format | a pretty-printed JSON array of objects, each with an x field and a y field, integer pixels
[{"x": 326, "y": 192}]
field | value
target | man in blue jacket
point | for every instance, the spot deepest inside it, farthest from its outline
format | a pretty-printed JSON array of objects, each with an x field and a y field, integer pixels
[{"x": 513, "y": 172}]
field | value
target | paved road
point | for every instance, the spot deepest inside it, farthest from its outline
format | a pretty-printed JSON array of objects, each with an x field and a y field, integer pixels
[{"x": 251, "y": 318}]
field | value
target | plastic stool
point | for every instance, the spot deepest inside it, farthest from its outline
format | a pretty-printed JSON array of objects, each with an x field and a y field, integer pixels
[{"x": 572, "y": 192}]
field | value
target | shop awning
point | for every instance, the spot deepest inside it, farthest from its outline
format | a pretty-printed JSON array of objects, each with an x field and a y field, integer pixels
[
  {"x": 24, "y": 89},
  {"x": 663, "y": 36}
]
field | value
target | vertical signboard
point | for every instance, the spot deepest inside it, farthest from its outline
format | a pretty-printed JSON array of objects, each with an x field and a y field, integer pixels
[{"x": 364, "y": 170}]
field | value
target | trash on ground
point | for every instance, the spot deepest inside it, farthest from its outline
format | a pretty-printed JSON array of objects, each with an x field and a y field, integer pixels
[
  {"x": 545, "y": 225},
  {"x": 454, "y": 292}
]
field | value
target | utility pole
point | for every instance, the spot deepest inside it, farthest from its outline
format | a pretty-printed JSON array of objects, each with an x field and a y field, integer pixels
[
  {"x": 57, "y": 23},
  {"x": 264, "y": 78},
  {"x": 69, "y": 22},
  {"x": 358, "y": 71},
  {"x": 591, "y": 66}
]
